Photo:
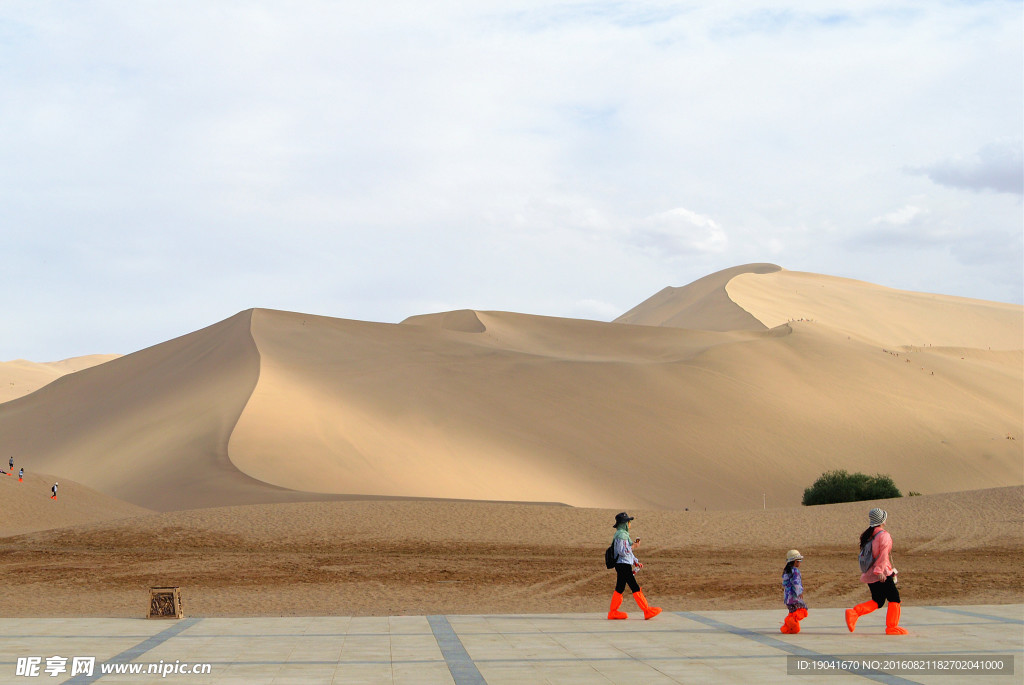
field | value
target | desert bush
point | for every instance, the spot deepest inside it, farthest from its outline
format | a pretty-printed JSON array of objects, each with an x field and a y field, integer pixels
[{"x": 839, "y": 486}]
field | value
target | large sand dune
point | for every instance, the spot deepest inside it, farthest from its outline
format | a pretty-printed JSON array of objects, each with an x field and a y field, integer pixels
[
  {"x": 150, "y": 427},
  {"x": 716, "y": 402},
  {"x": 592, "y": 414}
]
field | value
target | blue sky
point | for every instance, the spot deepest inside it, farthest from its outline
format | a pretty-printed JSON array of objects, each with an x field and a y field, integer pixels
[{"x": 165, "y": 165}]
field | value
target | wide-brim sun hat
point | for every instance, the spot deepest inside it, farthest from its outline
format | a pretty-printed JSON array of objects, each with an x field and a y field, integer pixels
[
  {"x": 793, "y": 555},
  {"x": 621, "y": 518},
  {"x": 876, "y": 516}
]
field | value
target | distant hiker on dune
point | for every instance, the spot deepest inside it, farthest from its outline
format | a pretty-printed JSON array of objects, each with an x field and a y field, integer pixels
[
  {"x": 626, "y": 566},
  {"x": 879, "y": 574},
  {"x": 793, "y": 593},
  {"x": 21, "y": 473},
  {"x": 54, "y": 489}
]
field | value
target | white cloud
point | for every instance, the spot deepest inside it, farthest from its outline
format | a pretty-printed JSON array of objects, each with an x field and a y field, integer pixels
[
  {"x": 679, "y": 232},
  {"x": 900, "y": 217},
  {"x": 998, "y": 167},
  {"x": 358, "y": 160}
]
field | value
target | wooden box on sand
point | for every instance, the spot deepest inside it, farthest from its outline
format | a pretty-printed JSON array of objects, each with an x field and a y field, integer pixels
[{"x": 165, "y": 602}]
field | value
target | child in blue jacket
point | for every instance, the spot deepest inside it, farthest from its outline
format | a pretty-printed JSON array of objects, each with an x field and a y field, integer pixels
[{"x": 793, "y": 593}]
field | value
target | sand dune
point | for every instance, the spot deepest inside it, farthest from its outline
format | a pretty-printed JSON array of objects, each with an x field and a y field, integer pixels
[
  {"x": 272, "y": 406},
  {"x": 150, "y": 427},
  {"x": 253, "y": 435},
  {"x": 877, "y": 314},
  {"x": 22, "y": 377},
  {"x": 703, "y": 304},
  {"x": 591, "y": 414},
  {"x": 27, "y": 506}
]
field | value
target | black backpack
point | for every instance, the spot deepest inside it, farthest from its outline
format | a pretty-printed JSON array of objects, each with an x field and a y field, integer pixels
[{"x": 609, "y": 556}]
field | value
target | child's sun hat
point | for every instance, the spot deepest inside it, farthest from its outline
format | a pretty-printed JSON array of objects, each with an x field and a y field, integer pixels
[{"x": 793, "y": 555}]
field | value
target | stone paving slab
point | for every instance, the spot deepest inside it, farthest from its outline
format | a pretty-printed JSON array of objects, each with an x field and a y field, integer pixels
[{"x": 679, "y": 647}]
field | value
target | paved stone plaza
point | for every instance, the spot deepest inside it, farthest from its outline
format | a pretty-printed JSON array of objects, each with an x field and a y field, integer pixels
[{"x": 681, "y": 647}]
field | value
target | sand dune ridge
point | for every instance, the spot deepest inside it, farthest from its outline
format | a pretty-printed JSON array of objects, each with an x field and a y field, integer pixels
[{"x": 271, "y": 406}]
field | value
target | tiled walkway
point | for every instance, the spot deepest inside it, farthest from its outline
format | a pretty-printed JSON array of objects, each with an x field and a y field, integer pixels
[{"x": 683, "y": 647}]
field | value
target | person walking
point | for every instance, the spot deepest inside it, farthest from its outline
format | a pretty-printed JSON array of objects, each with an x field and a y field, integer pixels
[
  {"x": 626, "y": 566},
  {"x": 879, "y": 574},
  {"x": 10, "y": 471},
  {"x": 793, "y": 593},
  {"x": 54, "y": 489},
  {"x": 21, "y": 473}
]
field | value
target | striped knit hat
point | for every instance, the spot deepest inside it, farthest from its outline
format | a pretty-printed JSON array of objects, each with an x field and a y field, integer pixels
[{"x": 876, "y": 517}]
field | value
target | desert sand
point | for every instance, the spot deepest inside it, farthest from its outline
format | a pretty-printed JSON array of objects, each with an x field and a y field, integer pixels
[
  {"x": 705, "y": 304},
  {"x": 876, "y": 314},
  {"x": 280, "y": 463},
  {"x": 390, "y": 558},
  {"x": 272, "y": 406},
  {"x": 22, "y": 377},
  {"x": 27, "y": 505}
]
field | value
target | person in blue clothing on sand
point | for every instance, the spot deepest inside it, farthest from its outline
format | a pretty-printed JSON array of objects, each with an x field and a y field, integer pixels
[
  {"x": 793, "y": 593},
  {"x": 626, "y": 566}
]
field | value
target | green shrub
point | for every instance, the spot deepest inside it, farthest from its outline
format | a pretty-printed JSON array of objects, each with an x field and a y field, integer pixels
[
  {"x": 839, "y": 486},
  {"x": 913, "y": 494}
]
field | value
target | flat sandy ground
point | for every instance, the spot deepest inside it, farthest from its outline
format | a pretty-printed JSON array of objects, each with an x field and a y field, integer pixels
[{"x": 426, "y": 557}]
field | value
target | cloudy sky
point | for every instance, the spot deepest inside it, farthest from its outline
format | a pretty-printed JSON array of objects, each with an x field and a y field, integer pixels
[{"x": 166, "y": 165}]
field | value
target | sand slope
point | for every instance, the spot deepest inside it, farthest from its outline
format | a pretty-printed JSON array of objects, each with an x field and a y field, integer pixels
[
  {"x": 21, "y": 377},
  {"x": 506, "y": 413},
  {"x": 272, "y": 406},
  {"x": 150, "y": 427},
  {"x": 27, "y": 506},
  {"x": 516, "y": 407},
  {"x": 877, "y": 314},
  {"x": 703, "y": 304}
]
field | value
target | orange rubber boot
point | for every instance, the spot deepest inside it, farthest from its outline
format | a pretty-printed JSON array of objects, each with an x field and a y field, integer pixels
[
  {"x": 641, "y": 601},
  {"x": 613, "y": 612},
  {"x": 791, "y": 625},
  {"x": 856, "y": 612},
  {"x": 892, "y": 620}
]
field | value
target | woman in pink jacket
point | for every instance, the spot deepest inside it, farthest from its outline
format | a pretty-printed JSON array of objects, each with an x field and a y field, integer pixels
[{"x": 880, "y": 577}]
